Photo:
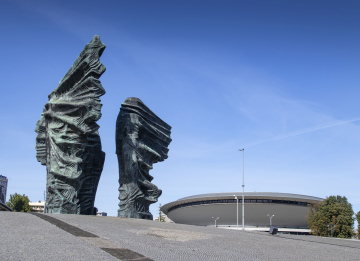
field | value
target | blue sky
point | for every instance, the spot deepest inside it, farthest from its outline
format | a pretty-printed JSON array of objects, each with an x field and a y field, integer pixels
[{"x": 278, "y": 78}]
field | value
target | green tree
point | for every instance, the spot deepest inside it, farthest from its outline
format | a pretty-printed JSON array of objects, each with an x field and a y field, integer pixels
[
  {"x": 334, "y": 210},
  {"x": 358, "y": 220},
  {"x": 19, "y": 203}
]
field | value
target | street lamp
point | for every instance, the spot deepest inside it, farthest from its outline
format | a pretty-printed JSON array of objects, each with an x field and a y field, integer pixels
[
  {"x": 243, "y": 187},
  {"x": 44, "y": 202},
  {"x": 270, "y": 218},
  {"x": 215, "y": 220},
  {"x": 159, "y": 212},
  {"x": 237, "y": 212}
]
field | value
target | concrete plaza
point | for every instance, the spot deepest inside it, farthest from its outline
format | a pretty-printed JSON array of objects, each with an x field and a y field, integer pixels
[{"x": 26, "y": 236}]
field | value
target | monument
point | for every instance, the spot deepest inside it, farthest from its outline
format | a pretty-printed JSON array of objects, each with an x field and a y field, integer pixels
[
  {"x": 142, "y": 139},
  {"x": 3, "y": 188},
  {"x": 67, "y": 141}
]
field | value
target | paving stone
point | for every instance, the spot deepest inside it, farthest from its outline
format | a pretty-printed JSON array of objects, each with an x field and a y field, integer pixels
[{"x": 36, "y": 239}]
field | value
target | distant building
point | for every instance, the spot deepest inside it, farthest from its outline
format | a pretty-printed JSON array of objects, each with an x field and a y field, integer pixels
[
  {"x": 3, "y": 188},
  {"x": 37, "y": 206},
  {"x": 101, "y": 214},
  {"x": 289, "y": 210},
  {"x": 164, "y": 218}
]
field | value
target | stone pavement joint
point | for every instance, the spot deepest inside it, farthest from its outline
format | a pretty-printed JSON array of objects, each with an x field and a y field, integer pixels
[
  {"x": 64, "y": 226},
  {"x": 105, "y": 245},
  {"x": 125, "y": 254},
  {"x": 135, "y": 240}
]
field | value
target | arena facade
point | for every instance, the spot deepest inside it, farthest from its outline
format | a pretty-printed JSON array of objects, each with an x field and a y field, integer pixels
[{"x": 290, "y": 210}]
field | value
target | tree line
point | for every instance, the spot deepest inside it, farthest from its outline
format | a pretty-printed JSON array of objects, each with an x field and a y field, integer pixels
[
  {"x": 334, "y": 217},
  {"x": 19, "y": 203}
]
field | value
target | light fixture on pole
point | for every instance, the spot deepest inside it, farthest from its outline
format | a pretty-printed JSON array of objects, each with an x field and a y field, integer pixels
[
  {"x": 215, "y": 220},
  {"x": 159, "y": 212},
  {"x": 237, "y": 212},
  {"x": 243, "y": 187},
  {"x": 270, "y": 218}
]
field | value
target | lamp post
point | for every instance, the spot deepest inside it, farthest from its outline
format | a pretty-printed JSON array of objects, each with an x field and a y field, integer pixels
[
  {"x": 243, "y": 187},
  {"x": 215, "y": 220},
  {"x": 270, "y": 218},
  {"x": 237, "y": 212},
  {"x": 159, "y": 212},
  {"x": 44, "y": 202}
]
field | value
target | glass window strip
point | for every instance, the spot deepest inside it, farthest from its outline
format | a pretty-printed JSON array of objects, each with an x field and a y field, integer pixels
[{"x": 225, "y": 201}]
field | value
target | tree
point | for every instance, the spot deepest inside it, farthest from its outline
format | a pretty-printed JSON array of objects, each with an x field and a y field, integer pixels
[
  {"x": 334, "y": 213},
  {"x": 19, "y": 203},
  {"x": 358, "y": 220}
]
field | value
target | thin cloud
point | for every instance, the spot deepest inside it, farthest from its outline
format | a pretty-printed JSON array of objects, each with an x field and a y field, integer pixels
[{"x": 303, "y": 131}]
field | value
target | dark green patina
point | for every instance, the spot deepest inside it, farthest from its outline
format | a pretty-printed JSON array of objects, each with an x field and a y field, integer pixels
[
  {"x": 142, "y": 139},
  {"x": 68, "y": 142}
]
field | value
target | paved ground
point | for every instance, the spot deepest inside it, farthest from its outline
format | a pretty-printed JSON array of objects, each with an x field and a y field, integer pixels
[
  {"x": 28, "y": 237},
  {"x": 266, "y": 229}
]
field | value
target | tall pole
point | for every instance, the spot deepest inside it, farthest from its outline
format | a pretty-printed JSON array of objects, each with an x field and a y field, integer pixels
[
  {"x": 243, "y": 187},
  {"x": 215, "y": 220},
  {"x": 270, "y": 218},
  {"x": 237, "y": 212},
  {"x": 44, "y": 202},
  {"x": 159, "y": 212}
]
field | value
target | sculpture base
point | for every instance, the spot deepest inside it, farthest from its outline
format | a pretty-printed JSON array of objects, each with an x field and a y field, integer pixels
[
  {"x": 135, "y": 209},
  {"x": 139, "y": 215},
  {"x": 59, "y": 210}
]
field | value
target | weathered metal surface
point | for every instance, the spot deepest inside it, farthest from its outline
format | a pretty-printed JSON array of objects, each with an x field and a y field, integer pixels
[
  {"x": 142, "y": 139},
  {"x": 68, "y": 142},
  {"x": 3, "y": 188}
]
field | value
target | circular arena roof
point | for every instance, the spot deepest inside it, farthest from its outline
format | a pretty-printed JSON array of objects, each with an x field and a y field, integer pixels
[{"x": 290, "y": 210}]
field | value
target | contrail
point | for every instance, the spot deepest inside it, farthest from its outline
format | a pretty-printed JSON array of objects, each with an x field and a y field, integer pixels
[{"x": 303, "y": 131}]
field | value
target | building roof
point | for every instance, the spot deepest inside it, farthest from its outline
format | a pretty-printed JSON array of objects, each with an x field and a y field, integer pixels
[
  {"x": 37, "y": 204},
  {"x": 252, "y": 195}
]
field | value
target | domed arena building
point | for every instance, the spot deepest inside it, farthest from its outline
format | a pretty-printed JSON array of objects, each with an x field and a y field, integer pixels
[{"x": 289, "y": 210}]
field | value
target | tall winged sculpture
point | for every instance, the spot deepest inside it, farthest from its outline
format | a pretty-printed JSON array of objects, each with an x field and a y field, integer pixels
[
  {"x": 67, "y": 141},
  {"x": 142, "y": 139}
]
